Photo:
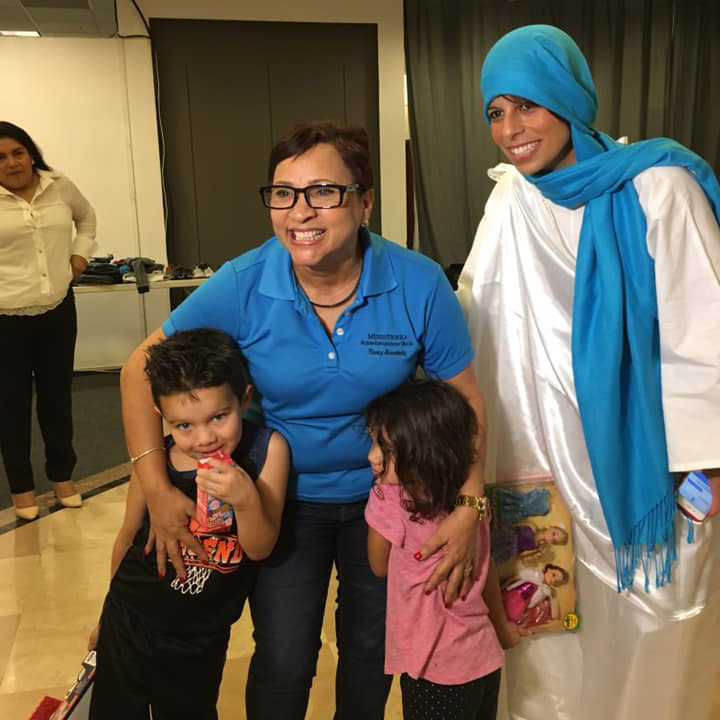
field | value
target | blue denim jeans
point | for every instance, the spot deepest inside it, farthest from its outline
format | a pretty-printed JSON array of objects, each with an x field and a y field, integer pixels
[{"x": 288, "y": 602}]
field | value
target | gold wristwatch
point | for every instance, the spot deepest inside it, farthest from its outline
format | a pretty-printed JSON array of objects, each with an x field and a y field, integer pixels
[{"x": 476, "y": 502}]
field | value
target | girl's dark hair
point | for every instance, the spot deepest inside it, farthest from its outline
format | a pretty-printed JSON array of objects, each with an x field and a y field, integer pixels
[
  {"x": 193, "y": 359},
  {"x": 429, "y": 429},
  {"x": 8, "y": 130},
  {"x": 351, "y": 143},
  {"x": 563, "y": 571}
]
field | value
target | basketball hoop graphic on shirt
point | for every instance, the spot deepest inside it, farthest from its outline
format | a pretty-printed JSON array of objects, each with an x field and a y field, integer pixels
[{"x": 224, "y": 556}]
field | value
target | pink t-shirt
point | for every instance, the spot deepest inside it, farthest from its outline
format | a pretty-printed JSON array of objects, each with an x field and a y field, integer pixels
[{"x": 423, "y": 638}]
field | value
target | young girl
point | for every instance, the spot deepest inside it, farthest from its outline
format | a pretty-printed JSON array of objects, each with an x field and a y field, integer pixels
[
  {"x": 449, "y": 657},
  {"x": 162, "y": 638}
]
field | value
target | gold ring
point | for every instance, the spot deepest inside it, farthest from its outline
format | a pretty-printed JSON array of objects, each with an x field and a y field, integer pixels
[{"x": 467, "y": 570}]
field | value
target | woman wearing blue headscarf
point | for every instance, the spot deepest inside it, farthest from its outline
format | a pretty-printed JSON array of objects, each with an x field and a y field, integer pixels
[{"x": 592, "y": 292}]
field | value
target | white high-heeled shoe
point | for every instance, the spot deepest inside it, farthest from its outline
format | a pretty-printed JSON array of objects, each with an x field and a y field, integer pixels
[
  {"x": 25, "y": 511},
  {"x": 74, "y": 500}
]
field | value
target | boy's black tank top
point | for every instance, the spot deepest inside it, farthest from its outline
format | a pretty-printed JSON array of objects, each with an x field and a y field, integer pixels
[{"x": 213, "y": 595}]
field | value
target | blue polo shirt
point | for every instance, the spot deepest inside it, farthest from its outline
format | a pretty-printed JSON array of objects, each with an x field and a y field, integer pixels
[{"x": 312, "y": 388}]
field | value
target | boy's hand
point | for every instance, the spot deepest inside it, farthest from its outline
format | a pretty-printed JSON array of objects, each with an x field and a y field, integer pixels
[{"x": 229, "y": 483}]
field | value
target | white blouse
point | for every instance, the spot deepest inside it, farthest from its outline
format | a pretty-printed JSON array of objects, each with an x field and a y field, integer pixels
[{"x": 36, "y": 242}]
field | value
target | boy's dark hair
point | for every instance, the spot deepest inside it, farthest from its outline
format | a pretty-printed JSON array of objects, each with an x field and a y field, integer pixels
[
  {"x": 429, "y": 429},
  {"x": 16, "y": 133},
  {"x": 193, "y": 359},
  {"x": 563, "y": 571},
  {"x": 351, "y": 143}
]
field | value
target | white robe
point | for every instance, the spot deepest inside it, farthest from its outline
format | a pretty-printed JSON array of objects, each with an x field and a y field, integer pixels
[{"x": 638, "y": 655}]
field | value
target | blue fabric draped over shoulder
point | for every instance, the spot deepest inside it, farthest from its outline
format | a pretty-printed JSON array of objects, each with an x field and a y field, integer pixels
[{"x": 615, "y": 336}]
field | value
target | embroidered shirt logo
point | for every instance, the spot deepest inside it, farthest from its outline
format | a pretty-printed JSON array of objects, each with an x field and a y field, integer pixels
[{"x": 387, "y": 344}]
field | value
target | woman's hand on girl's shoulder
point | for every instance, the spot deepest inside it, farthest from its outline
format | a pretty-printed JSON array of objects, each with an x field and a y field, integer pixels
[{"x": 456, "y": 536}]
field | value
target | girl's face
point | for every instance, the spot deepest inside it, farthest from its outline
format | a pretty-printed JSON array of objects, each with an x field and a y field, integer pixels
[
  {"x": 16, "y": 165},
  {"x": 531, "y": 137},
  {"x": 382, "y": 463},
  {"x": 315, "y": 238}
]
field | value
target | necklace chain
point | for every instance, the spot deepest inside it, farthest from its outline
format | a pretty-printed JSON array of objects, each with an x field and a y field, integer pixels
[{"x": 339, "y": 302}]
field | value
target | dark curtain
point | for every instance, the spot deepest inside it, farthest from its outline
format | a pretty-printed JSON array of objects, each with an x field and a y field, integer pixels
[{"x": 656, "y": 65}]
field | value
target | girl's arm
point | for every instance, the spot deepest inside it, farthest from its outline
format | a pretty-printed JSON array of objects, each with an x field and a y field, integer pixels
[
  {"x": 378, "y": 552},
  {"x": 457, "y": 534},
  {"x": 258, "y": 506}
]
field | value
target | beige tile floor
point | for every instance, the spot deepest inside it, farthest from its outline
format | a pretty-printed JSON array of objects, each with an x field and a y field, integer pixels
[{"x": 54, "y": 577}]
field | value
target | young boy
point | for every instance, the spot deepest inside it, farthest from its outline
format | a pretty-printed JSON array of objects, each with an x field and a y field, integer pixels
[{"x": 162, "y": 639}]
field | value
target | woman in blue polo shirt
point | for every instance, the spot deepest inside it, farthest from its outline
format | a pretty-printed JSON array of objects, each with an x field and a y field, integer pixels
[{"x": 329, "y": 316}]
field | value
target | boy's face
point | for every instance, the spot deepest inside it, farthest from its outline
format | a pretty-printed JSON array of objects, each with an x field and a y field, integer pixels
[{"x": 207, "y": 421}]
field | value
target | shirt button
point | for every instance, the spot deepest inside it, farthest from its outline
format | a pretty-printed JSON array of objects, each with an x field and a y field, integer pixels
[
  {"x": 331, "y": 355},
  {"x": 340, "y": 331}
]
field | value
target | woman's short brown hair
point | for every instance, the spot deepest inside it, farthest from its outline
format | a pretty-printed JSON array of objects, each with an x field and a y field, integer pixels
[{"x": 352, "y": 144}]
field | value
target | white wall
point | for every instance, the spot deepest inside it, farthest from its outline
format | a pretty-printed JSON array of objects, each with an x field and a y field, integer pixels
[{"x": 387, "y": 14}]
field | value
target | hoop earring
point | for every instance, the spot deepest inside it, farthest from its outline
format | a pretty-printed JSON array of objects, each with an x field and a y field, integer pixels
[{"x": 365, "y": 223}]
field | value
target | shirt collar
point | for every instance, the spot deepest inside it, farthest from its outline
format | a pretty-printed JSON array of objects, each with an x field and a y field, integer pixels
[
  {"x": 47, "y": 177},
  {"x": 278, "y": 280}
]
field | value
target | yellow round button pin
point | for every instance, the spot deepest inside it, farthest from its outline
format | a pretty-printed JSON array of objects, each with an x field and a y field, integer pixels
[{"x": 571, "y": 621}]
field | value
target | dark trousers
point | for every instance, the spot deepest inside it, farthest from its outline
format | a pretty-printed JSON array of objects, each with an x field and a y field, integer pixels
[
  {"x": 288, "y": 603},
  {"x": 43, "y": 347},
  {"x": 474, "y": 700},
  {"x": 178, "y": 676}
]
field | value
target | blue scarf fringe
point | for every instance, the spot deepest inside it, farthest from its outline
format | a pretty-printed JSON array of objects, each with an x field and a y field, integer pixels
[{"x": 656, "y": 558}]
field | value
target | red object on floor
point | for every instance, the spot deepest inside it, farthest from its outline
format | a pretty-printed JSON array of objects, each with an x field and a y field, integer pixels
[{"x": 45, "y": 709}]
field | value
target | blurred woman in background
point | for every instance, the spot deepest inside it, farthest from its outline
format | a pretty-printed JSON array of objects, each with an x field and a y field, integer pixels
[{"x": 39, "y": 257}]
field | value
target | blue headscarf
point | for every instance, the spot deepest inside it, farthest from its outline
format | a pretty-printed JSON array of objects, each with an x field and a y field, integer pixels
[{"x": 615, "y": 337}]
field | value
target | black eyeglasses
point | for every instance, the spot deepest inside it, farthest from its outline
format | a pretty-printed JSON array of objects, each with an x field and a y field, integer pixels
[{"x": 319, "y": 197}]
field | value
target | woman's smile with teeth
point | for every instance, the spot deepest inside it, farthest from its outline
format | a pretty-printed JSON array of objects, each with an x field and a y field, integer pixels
[
  {"x": 307, "y": 234},
  {"x": 522, "y": 149}
]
